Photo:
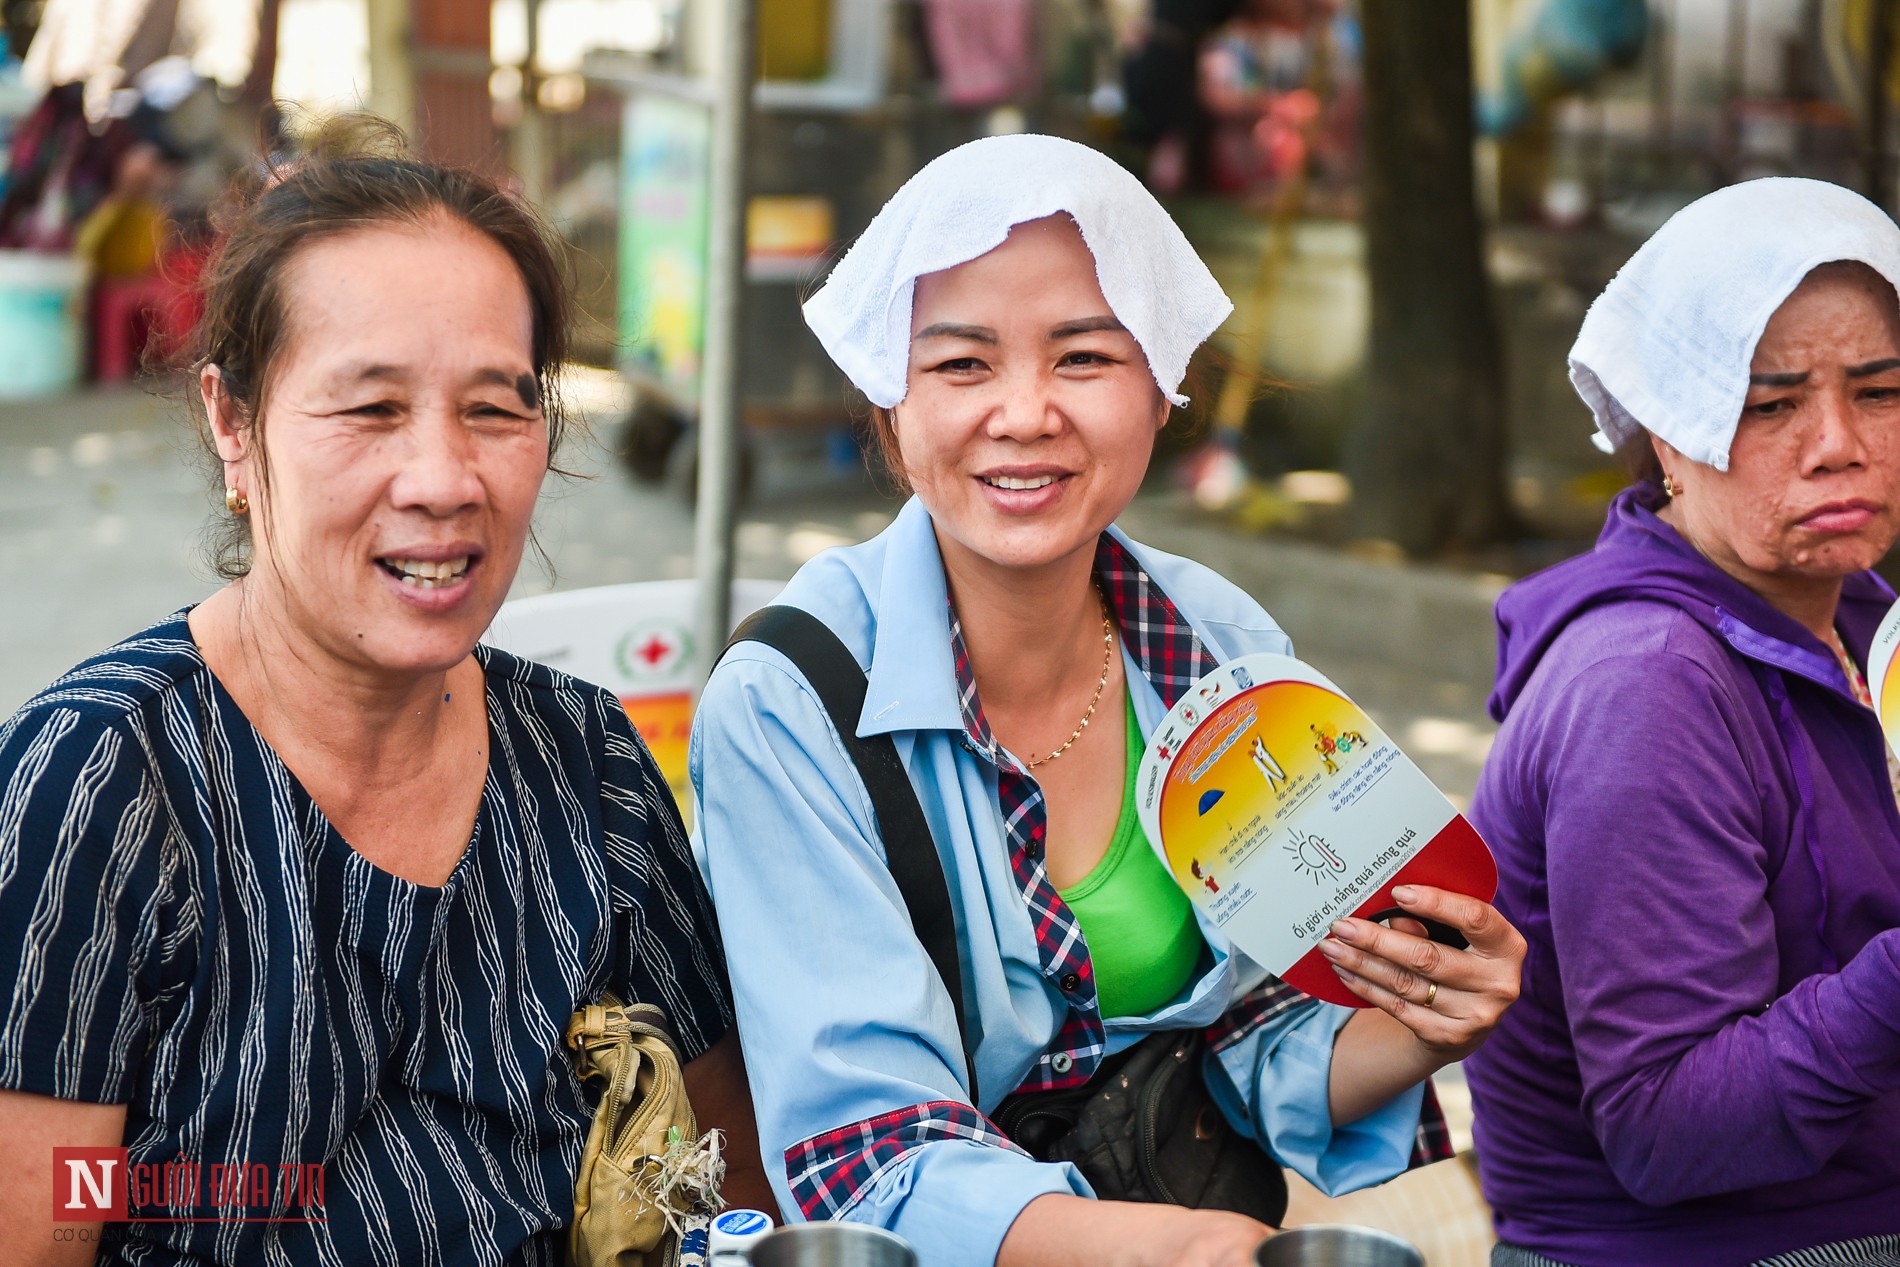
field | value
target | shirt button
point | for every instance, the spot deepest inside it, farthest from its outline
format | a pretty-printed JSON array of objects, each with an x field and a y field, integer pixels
[
  {"x": 1069, "y": 982},
  {"x": 1034, "y": 850},
  {"x": 1062, "y": 1062}
]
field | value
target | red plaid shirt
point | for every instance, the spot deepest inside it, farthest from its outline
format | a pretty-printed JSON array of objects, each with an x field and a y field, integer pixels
[{"x": 1172, "y": 658}]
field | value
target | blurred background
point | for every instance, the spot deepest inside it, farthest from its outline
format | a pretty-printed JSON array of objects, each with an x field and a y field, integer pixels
[{"x": 1411, "y": 202}]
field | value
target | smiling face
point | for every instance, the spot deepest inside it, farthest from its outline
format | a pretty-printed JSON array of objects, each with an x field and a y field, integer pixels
[
  {"x": 1812, "y": 492},
  {"x": 1030, "y": 413},
  {"x": 406, "y": 446}
]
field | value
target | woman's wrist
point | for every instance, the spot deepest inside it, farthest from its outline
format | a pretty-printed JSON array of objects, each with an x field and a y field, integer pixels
[
  {"x": 1375, "y": 1058},
  {"x": 1057, "y": 1230}
]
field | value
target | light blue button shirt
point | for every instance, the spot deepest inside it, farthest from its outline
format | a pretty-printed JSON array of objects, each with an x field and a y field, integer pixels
[{"x": 841, "y": 1014}]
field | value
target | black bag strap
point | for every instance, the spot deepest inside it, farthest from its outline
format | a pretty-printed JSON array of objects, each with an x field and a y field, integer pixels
[{"x": 909, "y": 849}]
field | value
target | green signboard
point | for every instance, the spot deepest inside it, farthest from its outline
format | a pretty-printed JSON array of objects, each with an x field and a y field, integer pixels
[{"x": 663, "y": 207}]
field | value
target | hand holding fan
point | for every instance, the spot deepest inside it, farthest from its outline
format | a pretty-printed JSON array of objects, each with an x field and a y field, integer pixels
[{"x": 1279, "y": 807}]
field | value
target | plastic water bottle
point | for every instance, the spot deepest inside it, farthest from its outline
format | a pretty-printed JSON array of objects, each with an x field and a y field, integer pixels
[{"x": 733, "y": 1232}]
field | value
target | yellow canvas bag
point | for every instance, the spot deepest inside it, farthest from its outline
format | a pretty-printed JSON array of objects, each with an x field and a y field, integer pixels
[{"x": 645, "y": 1171}]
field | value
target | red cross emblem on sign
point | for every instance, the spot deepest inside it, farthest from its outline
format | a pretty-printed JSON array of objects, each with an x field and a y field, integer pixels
[{"x": 653, "y": 650}]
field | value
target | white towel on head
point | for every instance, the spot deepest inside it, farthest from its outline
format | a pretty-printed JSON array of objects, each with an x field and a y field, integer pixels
[
  {"x": 1668, "y": 343},
  {"x": 963, "y": 204}
]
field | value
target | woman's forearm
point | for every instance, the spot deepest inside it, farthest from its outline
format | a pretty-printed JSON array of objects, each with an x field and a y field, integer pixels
[
  {"x": 1410, "y": 1032},
  {"x": 1374, "y": 1059},
  {"x": 717, "y": 1085},
  {"x": 1056, "y": 1230}
]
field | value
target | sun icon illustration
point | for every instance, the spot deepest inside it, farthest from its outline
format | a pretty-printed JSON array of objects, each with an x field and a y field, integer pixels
[{"x": 1313, "y": 856}]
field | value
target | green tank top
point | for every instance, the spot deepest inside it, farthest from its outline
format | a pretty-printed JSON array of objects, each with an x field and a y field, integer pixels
[{"x": 1140, "y": 926}]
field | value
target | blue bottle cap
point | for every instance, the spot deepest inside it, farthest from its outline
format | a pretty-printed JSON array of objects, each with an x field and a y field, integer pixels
[{"x": 734, "y": 1230}]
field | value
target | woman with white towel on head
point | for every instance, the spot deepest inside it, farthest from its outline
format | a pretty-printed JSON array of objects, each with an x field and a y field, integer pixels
[
  {"x": 1021, "y": 315},
  {"x": 1690, "y": 799}
]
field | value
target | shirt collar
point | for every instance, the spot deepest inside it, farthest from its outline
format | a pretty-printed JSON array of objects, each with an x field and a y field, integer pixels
[
  {"x": 1749, "y": 622},
  {"x": 1170, "y": 654},
  {"x": 911, "y": 682}
]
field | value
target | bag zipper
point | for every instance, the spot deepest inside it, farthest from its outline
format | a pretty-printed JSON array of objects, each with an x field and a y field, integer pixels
[
  {"x": 1017, "y": 1127},
  {"x": 1146, "y": 1151}
]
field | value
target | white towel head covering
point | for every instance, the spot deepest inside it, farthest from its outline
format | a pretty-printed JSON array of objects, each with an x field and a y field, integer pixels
[
  {"x": 1668, "y": 343},
  {"x": 963, "y": 204}
]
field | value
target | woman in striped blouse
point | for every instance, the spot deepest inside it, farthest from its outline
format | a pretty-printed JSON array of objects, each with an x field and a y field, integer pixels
[{"x": 299, "y": 886}]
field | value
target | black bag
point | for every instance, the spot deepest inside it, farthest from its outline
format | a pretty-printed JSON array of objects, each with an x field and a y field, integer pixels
[{"x": 1145, "y": 1127}]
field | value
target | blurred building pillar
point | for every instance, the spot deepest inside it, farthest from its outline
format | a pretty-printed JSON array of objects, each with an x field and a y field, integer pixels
[
  {"x": 454, "y": 120},
  {"x": 528, "y": 139},
  {"x": 1878, "y": 164},
  {"x": 702, "y": 37},
  {"x": 256, "y": 93},
  {"x": 392, "y": 75},
  {"x": 716, "y": 514}
]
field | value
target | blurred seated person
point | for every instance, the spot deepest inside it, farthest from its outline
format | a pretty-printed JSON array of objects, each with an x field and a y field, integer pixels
[
  {"x": 125, "y": 241},
  {"x": 1278, "y": 81}
]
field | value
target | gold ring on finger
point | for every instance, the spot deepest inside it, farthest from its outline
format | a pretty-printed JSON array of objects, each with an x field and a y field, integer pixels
[{"x": 1431, "y": 993}]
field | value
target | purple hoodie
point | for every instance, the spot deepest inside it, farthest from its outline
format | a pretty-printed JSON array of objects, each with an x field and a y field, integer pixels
[{"x": 1696, "y": 834}]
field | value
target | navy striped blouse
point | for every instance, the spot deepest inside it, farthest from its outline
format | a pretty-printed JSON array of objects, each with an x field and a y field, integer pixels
[{"x": 186, "y": 934}]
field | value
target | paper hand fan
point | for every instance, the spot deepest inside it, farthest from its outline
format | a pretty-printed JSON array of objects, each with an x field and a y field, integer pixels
[{"x": 1279, "y": 807}]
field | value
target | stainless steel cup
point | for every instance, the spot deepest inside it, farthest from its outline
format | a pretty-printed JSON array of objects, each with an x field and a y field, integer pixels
[
  {"x": 831, "y": 1245},
  {"x": 1337, "y": 1247}
]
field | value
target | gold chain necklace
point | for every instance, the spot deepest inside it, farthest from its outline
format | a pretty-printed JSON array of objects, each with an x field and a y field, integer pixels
[{"x": 1108, "y": 659}]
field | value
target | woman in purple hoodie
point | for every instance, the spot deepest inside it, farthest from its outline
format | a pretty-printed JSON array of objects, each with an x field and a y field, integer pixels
[{"x": 1691, "y": 800}]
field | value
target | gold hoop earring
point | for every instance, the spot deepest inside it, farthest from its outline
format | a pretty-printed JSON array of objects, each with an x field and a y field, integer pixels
[
  {"x": 235, "y": 502},
  {"x": 1671, "y": 489}
]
